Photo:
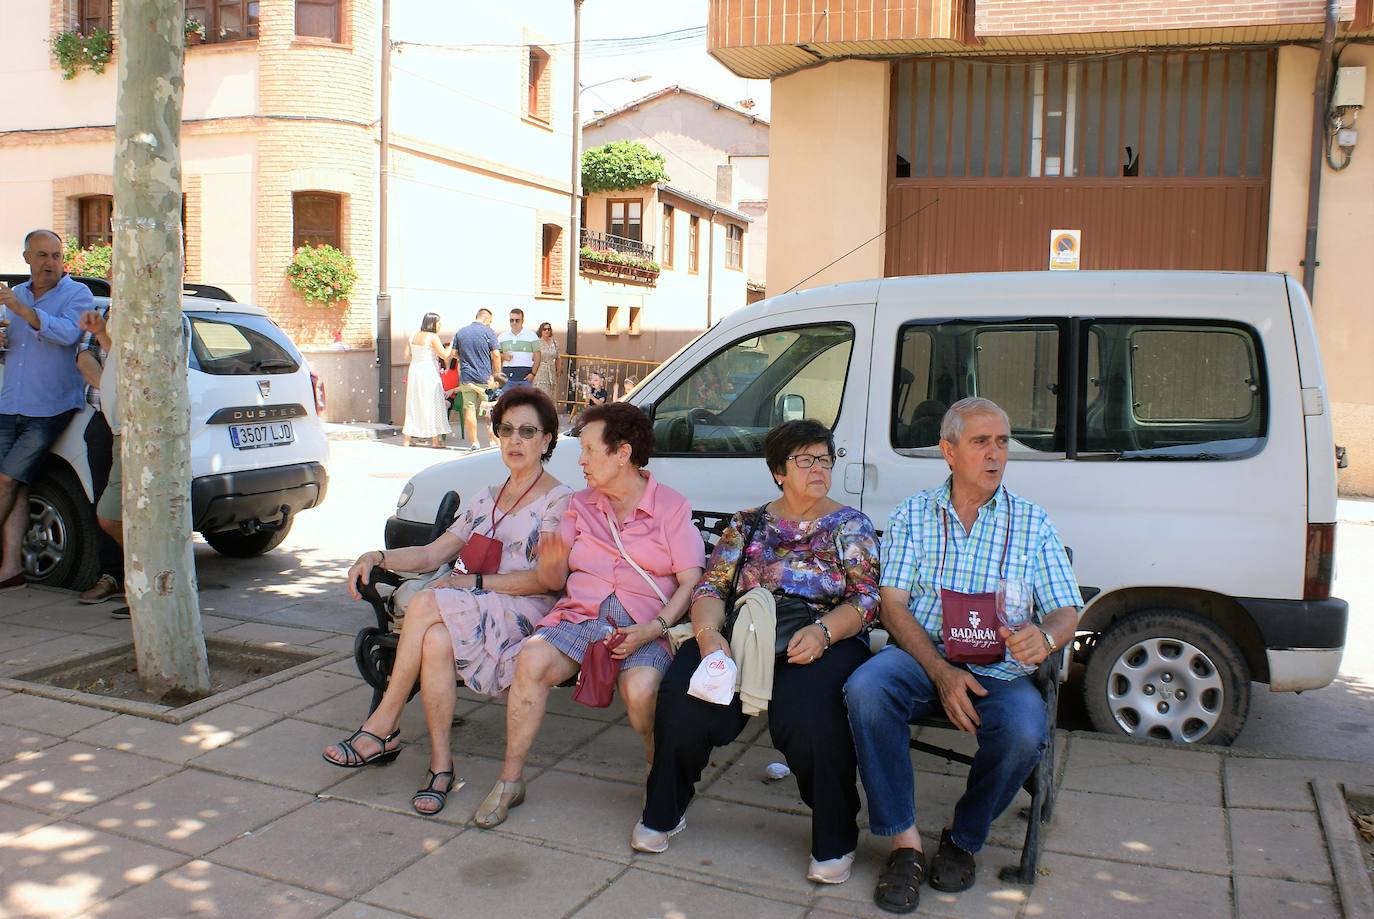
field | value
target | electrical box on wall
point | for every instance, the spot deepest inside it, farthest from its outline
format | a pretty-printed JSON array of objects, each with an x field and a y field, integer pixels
[{"x": 1349, "y": 91}]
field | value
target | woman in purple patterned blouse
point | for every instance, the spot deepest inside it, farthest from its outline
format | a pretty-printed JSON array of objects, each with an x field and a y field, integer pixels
[{"x": 807, "y": 546}]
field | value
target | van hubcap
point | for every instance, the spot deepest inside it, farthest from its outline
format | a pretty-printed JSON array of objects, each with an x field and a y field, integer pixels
[
  {"x": 45, "y": 541},
  {"x": 1166, "y": 689}
]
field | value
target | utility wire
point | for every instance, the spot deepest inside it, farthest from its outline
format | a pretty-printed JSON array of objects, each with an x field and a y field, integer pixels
[
  {"x": 590, "y": 46},
  {"x": 881, "y": 233}
]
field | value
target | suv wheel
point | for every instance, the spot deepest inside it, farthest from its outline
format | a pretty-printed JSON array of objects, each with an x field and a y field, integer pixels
[
  {"x": 59, "y": 548},
  {"x": 1167, "y": 674},
  {"x": 238, "y": 544}
]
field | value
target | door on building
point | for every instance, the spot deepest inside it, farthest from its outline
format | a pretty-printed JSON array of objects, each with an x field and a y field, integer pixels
[{"x": 1161, "y": 159}]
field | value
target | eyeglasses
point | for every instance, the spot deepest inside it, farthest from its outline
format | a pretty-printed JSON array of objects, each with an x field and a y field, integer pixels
[
  {"x": 807, "y": 460},
  {"x": 527, "y": 431}
]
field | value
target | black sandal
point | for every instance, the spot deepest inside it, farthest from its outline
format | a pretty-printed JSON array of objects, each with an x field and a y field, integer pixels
[
  {"x": 355, "y": 760},
  {"x": 953, "y": 869},
  {"x": 899, "y": 884},
  {"x": 431, "y": 793}
]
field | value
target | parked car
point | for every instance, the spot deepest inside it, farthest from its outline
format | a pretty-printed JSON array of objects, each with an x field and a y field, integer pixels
[
  {"x": 1174, "y": 424},
  {"x": 258, "y": 448}
]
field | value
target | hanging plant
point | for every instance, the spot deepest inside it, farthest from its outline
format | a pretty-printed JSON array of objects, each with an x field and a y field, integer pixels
[
  {"x": 620, "y": 165},
  {"x": 92, "y": 262},
  {"x": 322, "y": 274},
  {"x": 74, "y": 51}
]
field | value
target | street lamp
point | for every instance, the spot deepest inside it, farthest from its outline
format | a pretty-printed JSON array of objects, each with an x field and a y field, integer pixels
[{"x": 575, "y": 170}]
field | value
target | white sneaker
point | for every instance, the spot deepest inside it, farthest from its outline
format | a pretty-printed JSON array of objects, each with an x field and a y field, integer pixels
[
  {"x": 830, "y": 871},
  {"x": 643, "y": 839}
]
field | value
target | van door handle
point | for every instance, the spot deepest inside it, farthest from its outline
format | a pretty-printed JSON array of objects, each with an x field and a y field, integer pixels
[{"x": 854, "y": 478}]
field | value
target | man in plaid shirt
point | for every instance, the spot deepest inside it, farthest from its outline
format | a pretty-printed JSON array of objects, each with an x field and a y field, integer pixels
[
  {"x": 966, "y": 536},
  {"x": 100, "y": 444}
]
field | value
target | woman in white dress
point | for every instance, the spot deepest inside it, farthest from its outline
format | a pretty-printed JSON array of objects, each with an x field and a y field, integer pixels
[{"x": 426, "y": 407}]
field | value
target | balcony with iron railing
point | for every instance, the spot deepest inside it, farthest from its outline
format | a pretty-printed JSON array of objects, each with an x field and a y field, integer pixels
[{"x": 606, "y": 255}]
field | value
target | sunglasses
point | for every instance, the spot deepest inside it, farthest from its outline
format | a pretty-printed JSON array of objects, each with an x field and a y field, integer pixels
[{"x": 526, "y": 431}]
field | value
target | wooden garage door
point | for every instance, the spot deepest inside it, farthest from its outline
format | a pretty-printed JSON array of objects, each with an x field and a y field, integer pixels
[{"x": 1162, "y": 160}]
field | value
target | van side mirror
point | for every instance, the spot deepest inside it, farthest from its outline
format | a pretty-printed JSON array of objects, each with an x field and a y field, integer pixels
[{"x": 793, "y": 407}]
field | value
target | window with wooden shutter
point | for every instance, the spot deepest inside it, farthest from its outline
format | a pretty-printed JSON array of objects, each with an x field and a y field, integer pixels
[
  {"x": 669, "y": 217},
  {"x": 624, "y": 218},
  {"x": 734, "y": 247},
  {"x": 320, "y": 19},
  {"x": 92, "y": 15},
  {"x": 537, "y": 90},
  {"x": 225, "y": 20},
  {"x": 316, "y": 219},
  {"x": 95, "y": 213}
]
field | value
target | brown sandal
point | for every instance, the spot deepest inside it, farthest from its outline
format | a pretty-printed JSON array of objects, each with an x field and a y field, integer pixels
[{"x": 899, "y": 884}]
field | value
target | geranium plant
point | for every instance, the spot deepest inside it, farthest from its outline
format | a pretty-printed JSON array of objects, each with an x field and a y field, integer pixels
[
  {"x": 74, "y": 51},
  {"x": 619, "y": 165},
  {"x": 322, "y": 274},
  {"x": 622, "y": 259},
  {"x": 92, "y": 262},
  {"x": 195, "y": 30}
]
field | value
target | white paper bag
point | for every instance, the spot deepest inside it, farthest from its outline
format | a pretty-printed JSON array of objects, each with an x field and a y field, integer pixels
[{"x": 714, "y": 679}]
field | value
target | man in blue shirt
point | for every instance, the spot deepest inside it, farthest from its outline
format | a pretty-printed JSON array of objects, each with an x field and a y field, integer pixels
[
  {"x": 41, "y": 388},
  {"x": 479, "y": 358},
  {"x": 952, "y": 557}
]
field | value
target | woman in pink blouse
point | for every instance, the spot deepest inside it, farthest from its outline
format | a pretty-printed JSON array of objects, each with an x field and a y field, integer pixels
[{"x": 655, "y": 527}]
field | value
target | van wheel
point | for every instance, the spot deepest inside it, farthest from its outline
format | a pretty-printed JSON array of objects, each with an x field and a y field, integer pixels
[
  {"x": 1170, "y": 675},
  {"x": 237, "y": 544},
  {"x": 59, "y": 548}
]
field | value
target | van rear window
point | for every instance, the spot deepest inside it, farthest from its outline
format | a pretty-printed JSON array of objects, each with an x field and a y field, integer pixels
[{"x": 230, "y": 344}]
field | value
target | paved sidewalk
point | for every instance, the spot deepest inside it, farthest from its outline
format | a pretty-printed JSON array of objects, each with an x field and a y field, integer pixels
[{"x": 234, "y": 813}]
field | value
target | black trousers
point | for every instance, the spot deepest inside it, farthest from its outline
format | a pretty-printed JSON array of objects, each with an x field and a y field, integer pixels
[
  {"x": 100, "y": 458},
  {"x": 808, "y": 723}
]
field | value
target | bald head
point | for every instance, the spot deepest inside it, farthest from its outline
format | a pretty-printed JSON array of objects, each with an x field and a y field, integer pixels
[
  {"x": 43, "y": 254},
  {"x": 45, "y": 236}
]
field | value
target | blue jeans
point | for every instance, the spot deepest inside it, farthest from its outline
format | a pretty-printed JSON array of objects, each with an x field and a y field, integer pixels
[
  {"x": 890, "y": 691},
  {"x": 25, "y": 441}
]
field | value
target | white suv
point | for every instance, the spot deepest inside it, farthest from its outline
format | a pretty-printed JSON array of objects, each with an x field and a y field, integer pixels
[{"x": 258, "y": 449}]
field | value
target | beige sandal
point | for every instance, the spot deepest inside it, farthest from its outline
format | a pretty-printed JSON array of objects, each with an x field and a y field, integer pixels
[{"x": 498, "y": 802}]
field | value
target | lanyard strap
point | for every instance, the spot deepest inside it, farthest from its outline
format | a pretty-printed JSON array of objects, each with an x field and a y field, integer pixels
[
  {"x": 945, "y": 536},
  {"x": 496, "y": 515}
]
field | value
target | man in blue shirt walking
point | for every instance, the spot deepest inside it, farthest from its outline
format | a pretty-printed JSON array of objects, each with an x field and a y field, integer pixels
[
  {"x": 41, "y": 388},
  {"x": 479, "y": 359}
]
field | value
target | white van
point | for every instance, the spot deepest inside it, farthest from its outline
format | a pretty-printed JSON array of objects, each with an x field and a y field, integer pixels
[{"x": 1174, "y": 424}]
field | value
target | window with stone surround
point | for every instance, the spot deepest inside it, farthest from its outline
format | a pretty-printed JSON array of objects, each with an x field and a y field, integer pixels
[
  {"x": 225, "y": 20},
  {"x": 93, "y": 220},
  {"x": 320, "y": 19},
  {"x": 316, "y": 219},
  {"x": 537, "y": 84},
  {"x": 551, "y": 259}
]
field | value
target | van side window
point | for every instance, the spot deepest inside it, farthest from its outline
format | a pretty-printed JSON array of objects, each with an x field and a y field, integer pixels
[
  {"x": 1015, "y": 364},
  {"x": 1173, "y": 391},
  {"x": 727, "y": 404}
]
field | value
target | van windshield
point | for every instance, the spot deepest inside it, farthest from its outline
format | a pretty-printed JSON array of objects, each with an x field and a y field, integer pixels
[{"x": 728, "y": 403}]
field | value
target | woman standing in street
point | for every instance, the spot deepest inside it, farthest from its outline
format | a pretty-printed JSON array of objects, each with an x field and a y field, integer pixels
[
  {"x": 426, "y": 407},
  {"x": 546, "y": 375}
]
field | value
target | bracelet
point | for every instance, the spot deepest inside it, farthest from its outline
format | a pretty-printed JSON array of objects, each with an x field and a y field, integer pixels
[
  {"x": 706, "y": 628},
  {"x": 826, "y": 630},
  {"x": 662, "y": 625},
  {"x": 382, "y": 553},
  {"x": 477, "y": 582},
  {"x": 1049, "y": 639}
]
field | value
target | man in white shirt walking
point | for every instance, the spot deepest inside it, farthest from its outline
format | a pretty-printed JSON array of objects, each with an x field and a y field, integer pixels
[{"x": 519, "y": 351}]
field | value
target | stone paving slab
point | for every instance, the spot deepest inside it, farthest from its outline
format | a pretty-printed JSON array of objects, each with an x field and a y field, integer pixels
[
  {"x": 16, "y": 821},
  {"x": 347, "y": 710},
  {"x": 64, "y": 870},
  {"x": 391, "y": 787},
  {"x": 494, "y": 875},
  {"x": 1261, "y": 781},
  {"x": 1143, "y": 771},
  {"x": 21, "y": 636},
  {"x": 335, "y": 847},
  {"x": 1071, "y": 887},
  {"x": 55, "y": 717},
  {"x": 357, "y": 910},
  {"x": 577, "y": 813},
  {"x": 204, "y": 889},
  {"x": 990, "y": 897},
  {"x": 266, "y": 634},
  {"x": 193, "y": 812},
  {"x": 70, "y": 777},
  {"x": 1287, "y": 845},
  {"x": 483, "y": 733},
  {"x": 639, "y": 894},
  {"x": 285, "y": 753},
  {"x": 300, "y": 692},
  {"x": 176, "y": 743},
  {"x": 1265, "y": 898},
  {"x": 1158, "y": 833},
  {"x": 16, "y": 742},
  {"x": 71, "y": 617},
  {"x": 31, "y": 657},
  {"x": 32, "y": 598}
]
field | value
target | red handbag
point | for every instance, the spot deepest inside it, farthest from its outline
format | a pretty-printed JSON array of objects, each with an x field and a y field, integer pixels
[
  {"x": 482, "y": 554},
  {"x": 449, "y": 381},
  {"x": 596, "y": 679}
]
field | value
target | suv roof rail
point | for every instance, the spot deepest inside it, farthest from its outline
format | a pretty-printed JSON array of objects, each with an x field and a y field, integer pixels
[
  {"x": 208, "y": 292},
  {"x": 100, "y": 287}
]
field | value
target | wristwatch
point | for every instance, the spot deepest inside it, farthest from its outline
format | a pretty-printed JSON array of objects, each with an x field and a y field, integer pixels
[
  {"x": 477, "y": 585},
  {"x": 1049, "y": 639}
]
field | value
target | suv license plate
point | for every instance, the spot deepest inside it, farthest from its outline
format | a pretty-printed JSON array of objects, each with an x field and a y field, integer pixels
[{"x": 253, "y": 436}]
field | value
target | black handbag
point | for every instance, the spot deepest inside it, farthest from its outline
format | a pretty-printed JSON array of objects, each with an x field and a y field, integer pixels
[{"x": 793, "y": 613}]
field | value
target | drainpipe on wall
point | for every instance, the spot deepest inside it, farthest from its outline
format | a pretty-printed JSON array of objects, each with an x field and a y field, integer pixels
[
  {"x": 1321, "y": 92},
  {"x": 383, "y": 295},
  {"x": 710, "y": 266}
]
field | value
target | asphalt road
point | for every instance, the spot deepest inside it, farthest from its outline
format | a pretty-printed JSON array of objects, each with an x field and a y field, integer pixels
[{"x": 300, "y": 583}]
